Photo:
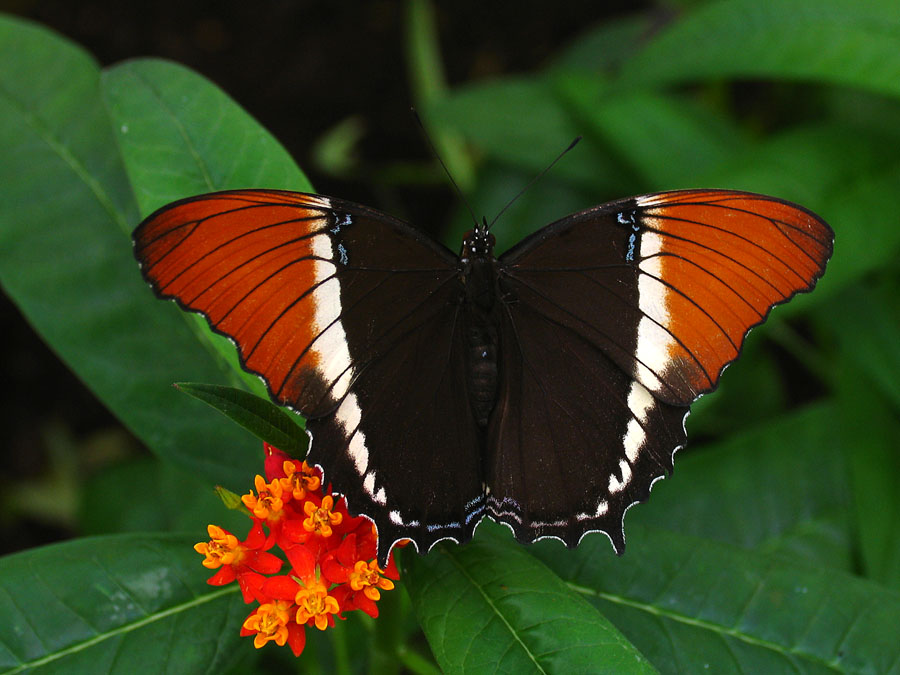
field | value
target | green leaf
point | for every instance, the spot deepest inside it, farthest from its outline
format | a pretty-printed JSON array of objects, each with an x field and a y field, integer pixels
[
  {"x": 607, "y": 45},
  {"x": 116, "y": 604},
  {"x": 837, "y": 41},
  {"x": 490, "y": 607},
  {"x": 180, "y": 135},
  {"x": 763, "y": 489},
  {"x": 260, "y": 417},
  {"x": 665, "y": 141},
  {"x": 875, "y": 350},
  {"x": 871, "y": 431},
  {"x": 692, "y": 605},
  {"x": 160, "y": 497},
  {"x": 65, "y": 256},
  {"x": 524, "y": 123},
  {"x": 805, "y": 164}
]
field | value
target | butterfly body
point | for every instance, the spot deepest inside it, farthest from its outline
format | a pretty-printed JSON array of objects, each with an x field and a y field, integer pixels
[
  {"x": 546, "y": 388},
  {"x": 479, "y": 297}
]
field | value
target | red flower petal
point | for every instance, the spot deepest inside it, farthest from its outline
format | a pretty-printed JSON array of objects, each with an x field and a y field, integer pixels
[
  {"x": 296, "y": 638},
  {"x": 274, "y": 462},
  {"x": 251, "y": 584},
  {"x": 281, "y": 587},
  {"x": 225, "y": 575},
  {"x": 264, "y": 563}
]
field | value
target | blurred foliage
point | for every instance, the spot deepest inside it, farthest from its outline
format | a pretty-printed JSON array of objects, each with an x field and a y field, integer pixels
[{"x": 775, "y": 548}]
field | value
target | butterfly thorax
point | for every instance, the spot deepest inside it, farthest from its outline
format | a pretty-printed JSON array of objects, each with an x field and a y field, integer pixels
[{"x": 480, "y": 320}]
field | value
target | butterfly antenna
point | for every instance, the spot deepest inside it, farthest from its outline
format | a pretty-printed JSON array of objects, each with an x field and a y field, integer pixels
[
  {"x": 446, "y": 170},
  {"x": 533, "y": 181}
]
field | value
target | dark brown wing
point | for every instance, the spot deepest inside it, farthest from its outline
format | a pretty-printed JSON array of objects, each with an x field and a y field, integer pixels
[
  {"x": 615, "y": 320},
  {"x": 350, "y": 318}
]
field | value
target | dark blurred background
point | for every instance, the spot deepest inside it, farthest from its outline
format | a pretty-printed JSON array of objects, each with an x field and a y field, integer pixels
[{"x": 300, "y": 68}]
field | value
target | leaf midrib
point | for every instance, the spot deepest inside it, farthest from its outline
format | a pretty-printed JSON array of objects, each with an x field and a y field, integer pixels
[
  {"x": 706, "y": 625},
  {"x": 123, "y": 630}
]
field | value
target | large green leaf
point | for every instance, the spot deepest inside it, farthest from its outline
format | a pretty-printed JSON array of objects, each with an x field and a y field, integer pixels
[
  {"x": 180, "y": 135},
  {"x": 838, "y": 41},
  {"x": 765, "y": 489},
  {"x": 665, "y": 141},
  {"x": 876, "y": 349},
  {"x": 692, "y": 605},
  {"x": 116, "y": 604},
  {"x": 490, "y": 607},
  {"x": 65, "y": 256},
  {"x": 523, "y": 122}
]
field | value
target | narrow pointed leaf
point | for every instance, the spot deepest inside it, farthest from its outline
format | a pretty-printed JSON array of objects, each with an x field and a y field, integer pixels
[{"x": 260, "y": 417}]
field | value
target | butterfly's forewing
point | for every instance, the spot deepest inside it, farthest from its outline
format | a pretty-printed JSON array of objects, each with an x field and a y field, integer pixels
[
  {"x": 615, "y": 319},
  {"x": 350, "y": 317}
]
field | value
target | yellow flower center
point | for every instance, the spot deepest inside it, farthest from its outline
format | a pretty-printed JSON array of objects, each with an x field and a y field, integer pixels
[
  {"x": 270, "y": 623},
  {"x": 221, "y": 549},
  {"x": 315, "y": 603},
  {"x": 267, "y": 503},
  {"x": 366, "y": 577},
  {"x": 321, "y": 518},
  {"x": 299, "y": 481}
]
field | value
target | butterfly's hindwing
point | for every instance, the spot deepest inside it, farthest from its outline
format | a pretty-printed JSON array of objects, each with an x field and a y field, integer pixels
[{"x": 576, "y": 439}]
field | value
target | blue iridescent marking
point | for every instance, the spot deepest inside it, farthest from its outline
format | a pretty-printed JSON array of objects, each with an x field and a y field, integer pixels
[
  {"x": 632, "y": 239},
  {"x": 475, "y": 513},
  {"x": 344, "y": 220}
]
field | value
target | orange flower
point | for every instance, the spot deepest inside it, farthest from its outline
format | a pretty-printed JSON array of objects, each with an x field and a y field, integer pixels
[
  {"x": 316, "y": 606},
  {"x": 299, "y": 479},
  {"x": 321, "y": 518},
  {"x": 331, "y": 556},
  {"x": 366, "y": 577},
  {"x": 272, "y": 622},
  {"x": 245, "y": 560},
  {"x": 267, "y": 503},
  {"x": 223, "y": 548}
]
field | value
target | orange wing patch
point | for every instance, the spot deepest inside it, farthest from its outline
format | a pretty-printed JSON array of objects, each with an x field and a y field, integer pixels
[
  {"x": 258, "y": 266},
  {"x": 714, "y": 263}
]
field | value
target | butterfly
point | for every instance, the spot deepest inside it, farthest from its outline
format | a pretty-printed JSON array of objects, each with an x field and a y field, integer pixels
[{"x": 546, "y": 388}]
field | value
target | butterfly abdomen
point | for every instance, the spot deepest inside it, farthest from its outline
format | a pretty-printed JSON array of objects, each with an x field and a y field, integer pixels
[
  {"x": 482, "y": 366},
  {"x": 479, "y": 279}
]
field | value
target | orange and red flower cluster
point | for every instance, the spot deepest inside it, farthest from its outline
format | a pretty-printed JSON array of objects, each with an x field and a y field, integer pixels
[{"x": 331, "y": 556}]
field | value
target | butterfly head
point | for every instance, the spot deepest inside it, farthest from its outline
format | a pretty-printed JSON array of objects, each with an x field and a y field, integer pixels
[{"x": 478, "y": 243}]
